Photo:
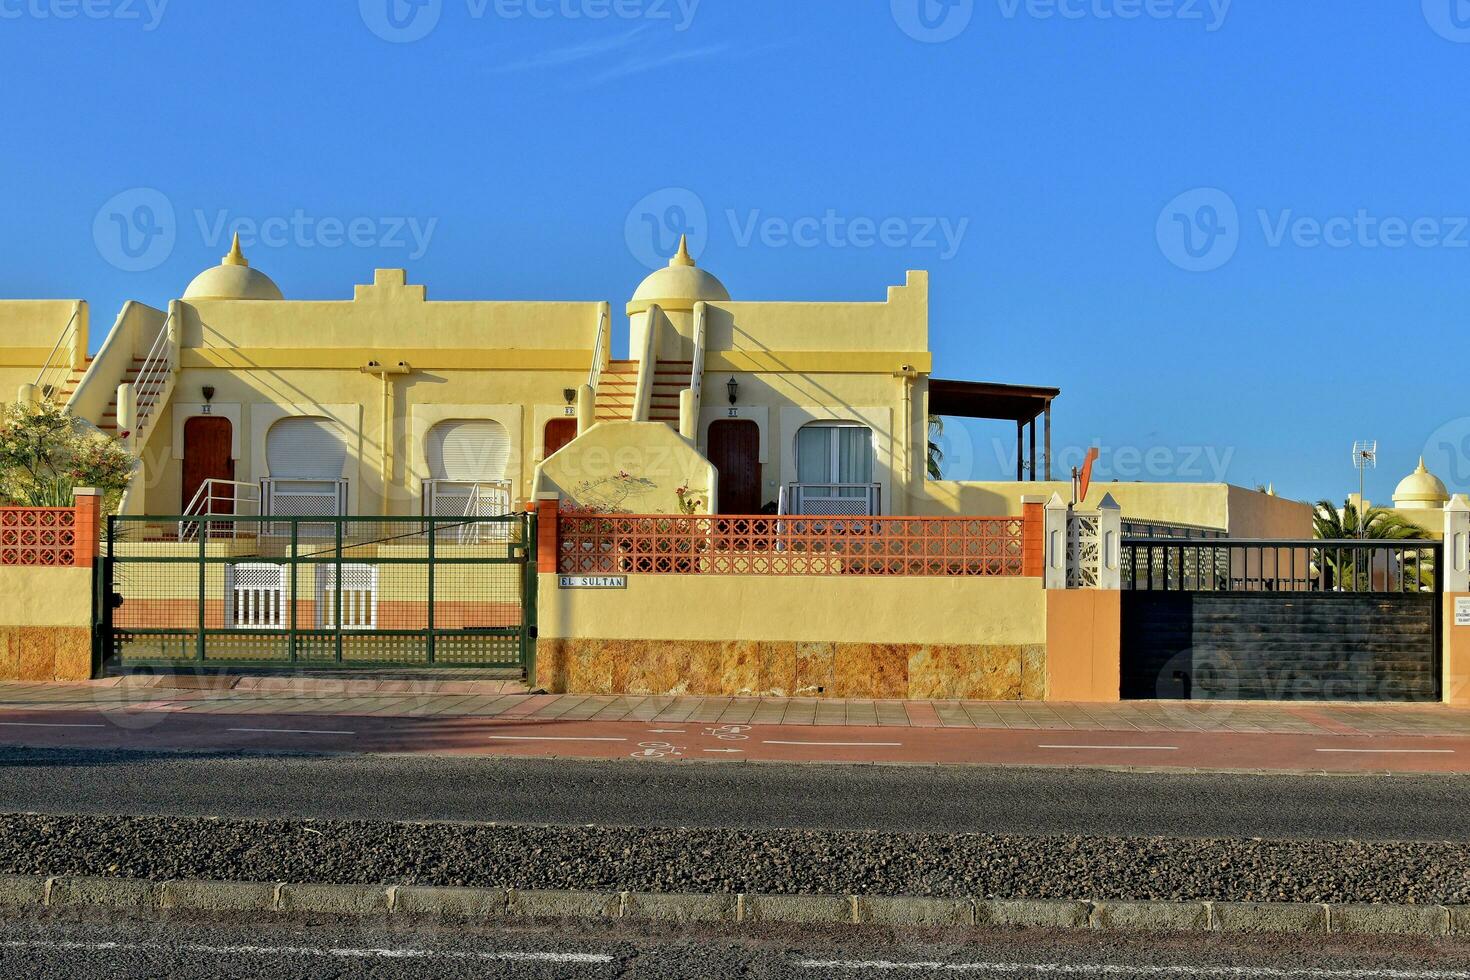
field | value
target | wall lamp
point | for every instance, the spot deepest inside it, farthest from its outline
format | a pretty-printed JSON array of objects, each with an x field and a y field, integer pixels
[
  {"x": 733, "y": 387},
  {"x": 208, "y": 391},
  {"x": 570, "y": 394}
]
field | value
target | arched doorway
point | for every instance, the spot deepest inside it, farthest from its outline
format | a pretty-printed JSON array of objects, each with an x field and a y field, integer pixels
[
  {"x": 207, "y": 440},
  {"x": 734, "y": 449}
]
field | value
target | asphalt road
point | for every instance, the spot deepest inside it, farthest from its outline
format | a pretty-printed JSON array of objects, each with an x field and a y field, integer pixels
[
  {"x": 114, "y": 950},
  {"x": 754, "y": 796}
]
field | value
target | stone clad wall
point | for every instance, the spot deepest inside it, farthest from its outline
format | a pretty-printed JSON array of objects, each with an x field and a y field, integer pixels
[{"x": 797, "y": 636}]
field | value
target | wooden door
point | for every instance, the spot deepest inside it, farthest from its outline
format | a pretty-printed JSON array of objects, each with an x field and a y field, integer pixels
[
  {"x": 207, "y": 457},
  {"x": 559, "y": 432},
  {"x": 734, "y": 448}
]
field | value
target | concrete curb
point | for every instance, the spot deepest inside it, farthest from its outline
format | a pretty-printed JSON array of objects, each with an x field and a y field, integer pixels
[{"x": 20, "y": 893}]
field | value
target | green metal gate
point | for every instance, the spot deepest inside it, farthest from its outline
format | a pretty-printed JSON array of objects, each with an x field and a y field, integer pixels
[{"x": 331, "y": 592}]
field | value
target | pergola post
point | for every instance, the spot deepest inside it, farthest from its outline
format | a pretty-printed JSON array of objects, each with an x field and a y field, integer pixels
[{"x": 1048, "y": 441}]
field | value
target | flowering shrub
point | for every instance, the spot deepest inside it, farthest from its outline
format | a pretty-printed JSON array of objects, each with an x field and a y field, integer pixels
[{"x": 45, "y": 453}]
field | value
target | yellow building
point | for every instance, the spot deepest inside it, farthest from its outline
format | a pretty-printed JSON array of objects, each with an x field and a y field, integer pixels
[{"x": 237, "y": 398}]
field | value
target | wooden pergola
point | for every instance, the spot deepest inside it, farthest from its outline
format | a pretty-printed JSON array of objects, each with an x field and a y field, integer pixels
[{"x": 1022, "y": 404}]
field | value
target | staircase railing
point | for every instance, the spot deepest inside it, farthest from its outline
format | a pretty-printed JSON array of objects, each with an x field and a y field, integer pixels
[
  {"x": 226, "y": 498},
  {"x": 61, "y": 361},
  {"x": 152, "y": 380},
  {"x": 599, "y": 346},
  {"x": 696, "y": 371}
]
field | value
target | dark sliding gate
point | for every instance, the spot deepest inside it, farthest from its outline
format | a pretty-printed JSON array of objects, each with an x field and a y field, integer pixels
[
  {"x": 1281, "y": 620},
  {"x": 320, "y": 591}
]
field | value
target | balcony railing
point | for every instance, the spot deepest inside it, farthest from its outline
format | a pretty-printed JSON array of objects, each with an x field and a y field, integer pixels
[
  {"x": 283, "y": 497},
  {"x": 617, "y": 544},
  {"x": 832, "y": 499}
]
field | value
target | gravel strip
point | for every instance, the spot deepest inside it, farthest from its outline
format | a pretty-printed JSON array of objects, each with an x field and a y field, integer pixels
[{"x": 768, "y": 862}]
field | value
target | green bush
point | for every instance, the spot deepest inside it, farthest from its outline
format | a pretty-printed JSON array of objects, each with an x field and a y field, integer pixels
[{"x": 45, "y": 453}]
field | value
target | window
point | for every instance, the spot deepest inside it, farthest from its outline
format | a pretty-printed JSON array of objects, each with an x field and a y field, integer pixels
[
  {"x": 305, "y": 457},
  {"x": 468, "y": 459},
  {"x": 469, "y": 451},
  {"x": 834, "y": 471},
  {"x": 834, "y": 453}
]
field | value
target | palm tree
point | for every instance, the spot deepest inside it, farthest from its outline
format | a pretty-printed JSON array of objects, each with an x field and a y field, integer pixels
[
  {"x": 1333, "y": 523},
  {"x": 936, "y": 455}
]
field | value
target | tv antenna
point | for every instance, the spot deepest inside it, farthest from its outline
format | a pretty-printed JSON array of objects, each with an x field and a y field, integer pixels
[{"x": 1365, "y": 457}]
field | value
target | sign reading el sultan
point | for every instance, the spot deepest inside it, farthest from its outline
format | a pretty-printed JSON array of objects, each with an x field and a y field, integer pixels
[{"x": 592, "y": 581}]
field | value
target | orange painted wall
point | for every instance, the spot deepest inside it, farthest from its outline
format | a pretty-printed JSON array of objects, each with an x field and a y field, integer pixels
[{"x": 1083, "y": 637}]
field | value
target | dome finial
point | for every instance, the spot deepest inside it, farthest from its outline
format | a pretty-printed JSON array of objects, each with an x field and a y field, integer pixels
[
  {"x": 1422, "y": 468},
  {"x": 236, "y": 257},
  {"x": 683, "y": 257}
]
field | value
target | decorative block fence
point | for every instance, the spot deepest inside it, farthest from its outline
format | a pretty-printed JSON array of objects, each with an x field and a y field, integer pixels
[
  {"x": 583, "y": 543},
  {"x": 779, "y": 605},
  {"x": 47, "y": 555},
  {"x": 56, "y": 537}
]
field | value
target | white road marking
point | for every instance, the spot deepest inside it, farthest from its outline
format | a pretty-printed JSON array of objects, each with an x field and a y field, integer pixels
[
  {"x": 290, "y": 731},
  {"x": 1117, "y": 969},
  {"x": 551, "y": 738},
  {"x": 774, "y": 741},
  {"x": 1140, "y": 748},
  {"x": 667, "y": 731},
  {"x": 37, "y": 724},
  {"x": 740, "y": 751},
  {"x": 338, "y": 952},
  {"x": 1393, "y": 751}
]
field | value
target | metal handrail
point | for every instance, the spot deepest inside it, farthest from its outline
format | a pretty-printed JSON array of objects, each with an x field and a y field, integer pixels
[
  {"x": 202, "y": 505},
  {"x": 594, "y": 375},
  {"x": 152, "y": 373},
  {"x": 696, "y": 371},
  {"x": 51, "y": 367}
]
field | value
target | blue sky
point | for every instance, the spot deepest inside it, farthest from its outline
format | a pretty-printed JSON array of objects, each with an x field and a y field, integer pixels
[{"x": 1234, "y": 234}]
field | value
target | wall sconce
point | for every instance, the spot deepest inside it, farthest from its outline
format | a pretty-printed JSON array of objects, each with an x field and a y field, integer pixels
[
  {"x": 733, "y": 387},
  {"x": 208, "y": 391},
  {"x": 570, "y": 394}
]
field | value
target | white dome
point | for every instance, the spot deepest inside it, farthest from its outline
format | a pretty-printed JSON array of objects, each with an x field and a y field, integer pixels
[
  {"x": 678, "y": 286},
  {"x": 233, "y": 279},
  {"x": 1420, "y": 490}
]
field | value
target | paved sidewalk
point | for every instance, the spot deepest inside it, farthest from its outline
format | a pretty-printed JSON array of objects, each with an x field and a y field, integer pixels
[{"x": 506, "y": 699}]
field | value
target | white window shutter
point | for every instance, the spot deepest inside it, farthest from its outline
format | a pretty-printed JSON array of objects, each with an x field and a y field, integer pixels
[
  {"x": 468, "y": 451},
  {"x": 305, "y": 449}
]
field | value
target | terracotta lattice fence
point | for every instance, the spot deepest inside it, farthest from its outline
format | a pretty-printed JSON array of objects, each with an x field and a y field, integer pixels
[
  {"x": 38, "y": 536},
  {"x": 666, "y": 544},
  {"x": 57, "y": 537}
]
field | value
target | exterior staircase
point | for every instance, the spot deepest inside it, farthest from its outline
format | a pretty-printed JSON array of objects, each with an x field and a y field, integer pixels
[
  {"x": 617, "y": 390},
  {"x": 68, "y": 385},
  {"x": 148, "y": 395}
]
